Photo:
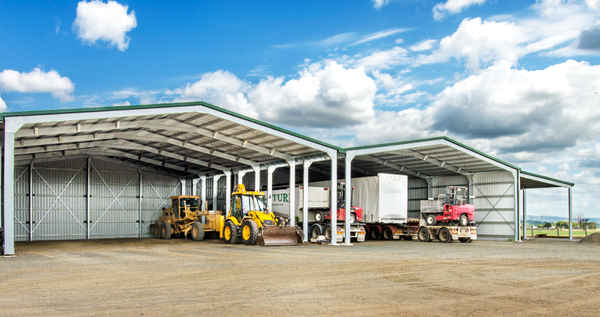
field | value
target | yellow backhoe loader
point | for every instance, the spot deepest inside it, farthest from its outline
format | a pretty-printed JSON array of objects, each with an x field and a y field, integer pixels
[
  {"x": 250, "y": 222},
  {"x": 185, "y": 218}
]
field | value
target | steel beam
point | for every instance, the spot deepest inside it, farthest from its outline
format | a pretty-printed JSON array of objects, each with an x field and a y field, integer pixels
[
  {"x": 524, "y": 214},
  {"x": 570, "y": 213},
  {"x": 333, "y": 202},
  {"x": 8, "y": 194},
  {"x": 399, "y": 168},
  {"x": 306, "y": 167},
  {"x": 348, "y": 196},
  {"x": 292, "y": 194},
  {"x": 31, "y": 201},
  {"x": 141, "y": 194},
  {"x": 228, "y": 192},
  {"x": 203, "y": 192},
  {"x": 435, "y": 161},
  {"x": 88, "y": 197},
  {"x": 256, "y": 169}
]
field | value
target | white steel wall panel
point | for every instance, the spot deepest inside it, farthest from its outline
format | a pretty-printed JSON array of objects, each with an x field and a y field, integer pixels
[
  {"x": 494, "y": 204},
  {"x": 59, "y": 201},
  {"x": 156, "y": 190},
  {"x": 22, "y": 203},
  {"x": 417, "y": 191},
  {"x": 114, "y": 201}
]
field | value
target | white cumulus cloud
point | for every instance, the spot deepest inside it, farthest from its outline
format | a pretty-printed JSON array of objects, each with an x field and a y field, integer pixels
[
  {"x": 378, "y": 4},
  {"x": 37, "y": 81},
  {"x": 425, "y": 45},
  {"x": 2, "y": 104},
  {"x": 440, "y": 10},
  {"x": 104, "y": 21}
]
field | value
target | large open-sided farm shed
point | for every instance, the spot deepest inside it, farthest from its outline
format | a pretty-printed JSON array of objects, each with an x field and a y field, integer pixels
[{"x": 106, "y": 172}]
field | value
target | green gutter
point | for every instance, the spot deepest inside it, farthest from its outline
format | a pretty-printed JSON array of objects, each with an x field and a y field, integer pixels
[
  {"x": 548, "y": 178},
  {"x": 168, "y": 105}
]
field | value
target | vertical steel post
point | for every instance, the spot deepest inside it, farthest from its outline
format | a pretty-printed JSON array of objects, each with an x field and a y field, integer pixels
[
  {"x": 216, "y": 191},
  {"x": 141, "y": 193},
  {"x": 429, "y": 181},
  {"x": 292, "y": 195},
  {"x": 570, "y": 213},
  {"x": 88, "y": 197},
  {"x": 203, "y": 192},
  {"x": 31, "y": 201},
  {"x": 517, "y": 190},
  {"x": 270, "y": 171},
  {"x": 348, "y": 195},
  {"x": 524, "y": 214},
  {"x": 195, "y": 186},
  {"x": 183, "y": 189},
  {"x": 256, "y": 169},
  {"x": 333, "y": 186},
  {"x": 305, "y": 176},
  {"x": 240, "y": 176},
  {"x": 228, "y": 192},
  {"x": 8, "y": 195}
]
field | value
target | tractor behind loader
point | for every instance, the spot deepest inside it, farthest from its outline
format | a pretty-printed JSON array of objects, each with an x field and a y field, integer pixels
[
  {"x": 185, "y": 218},
  {"x": 250, "y": 222}
]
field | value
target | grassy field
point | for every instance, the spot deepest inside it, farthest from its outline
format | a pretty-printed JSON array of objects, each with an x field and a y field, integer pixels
[{"x": 577, "y": 233}]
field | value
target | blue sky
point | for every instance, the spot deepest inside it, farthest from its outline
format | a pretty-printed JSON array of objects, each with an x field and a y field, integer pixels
[{"x": 519, "y": 79}]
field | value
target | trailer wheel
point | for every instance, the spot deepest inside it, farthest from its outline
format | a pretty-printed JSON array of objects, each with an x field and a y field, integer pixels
[
  {"x": 463, "y": 220},
  {"x": 423, "y": 235},
  {"x": 387, "y": 234},
  {"x": 430, "y": 220},
  {"x": 197, "y": 231},
  {"x": 315, "y": 231},
  {"x": 374, "y": 233},
  {"x": 465, "y": 240},
  {"x": 444, "y": 235}
]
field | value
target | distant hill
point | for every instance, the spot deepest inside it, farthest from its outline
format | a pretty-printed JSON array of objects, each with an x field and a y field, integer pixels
[{"x": 533, "y": 219}]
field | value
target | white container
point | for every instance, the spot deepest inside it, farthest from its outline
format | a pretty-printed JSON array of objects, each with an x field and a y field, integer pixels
[
  {"x": 318, "y": 199},
  {"x": 384, "y": 198}
]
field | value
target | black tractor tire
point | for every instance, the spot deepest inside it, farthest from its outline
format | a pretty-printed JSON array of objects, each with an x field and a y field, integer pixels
[
  {"x": 253, "y": 234},
  {"x": 374, "y": 234},
  {"x": 197, "y": 232},
  {"x": 465, "y": 240},
  {"x": 166, "y": 231},
  {"x": 235, "y": 235},
  {"x": 444, "y": 235},
  {"x": 315, "y": 231},
  {"x": 430, "y": 220},
  {"x": 463, "y": 220},
  {"x": 387, "y": 234},
  {"x": 423, "y": 235}
]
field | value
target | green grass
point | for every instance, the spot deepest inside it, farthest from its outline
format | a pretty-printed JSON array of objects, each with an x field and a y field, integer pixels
[{"x": 577, "y": 233}]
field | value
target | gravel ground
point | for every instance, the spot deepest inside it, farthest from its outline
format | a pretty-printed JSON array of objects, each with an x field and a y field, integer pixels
[{"x": 407, "y": 278}]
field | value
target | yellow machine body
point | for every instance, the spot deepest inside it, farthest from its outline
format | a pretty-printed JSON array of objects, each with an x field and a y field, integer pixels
[
  {"x": 250, "y": 222},
  {"x": 186, "y": 218}
]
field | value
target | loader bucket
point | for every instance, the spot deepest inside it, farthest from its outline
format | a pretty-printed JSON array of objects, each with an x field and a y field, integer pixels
[{"x": 275, "y": 235}]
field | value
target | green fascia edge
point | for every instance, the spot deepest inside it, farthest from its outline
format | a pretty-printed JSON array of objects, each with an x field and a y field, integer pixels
[{"x": 265, "y": 124}]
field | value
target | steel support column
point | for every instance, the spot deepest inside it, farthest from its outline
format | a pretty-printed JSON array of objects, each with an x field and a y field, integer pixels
[
  {"x": 348, "y": 196},
  {"x": 195, "y": 186},
  {"x": 141, "y": 193},
  {"x": 429, "y": 181},
  {"x": 524, "y": 214},
  {"x": 203, "y": 193},
  {"x": 240, "y": 176},
  {"x": 517, "y": 205},
  {"x": 292, "y": 195},
  {"x": 306, "y": 166},
  {"x": 333, "y": 186},
  {"x": 31, "y": 201},
  {"x": 570, "y": 213},
  {"x": 183, "y": 189},
  {"x": 227, "y": 192},
  {"x": 270, "y": 171},
  {"x": 215, "y": 190},
  {"x": 8, "y": 195},
  {"x": 88, "y": 197},
  {"x": 256, "y": 169}
]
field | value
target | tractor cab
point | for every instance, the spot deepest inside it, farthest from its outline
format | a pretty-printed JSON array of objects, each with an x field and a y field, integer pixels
[
  {"x": 184, "y": 206},
  {"x": 244, "y": 202}
]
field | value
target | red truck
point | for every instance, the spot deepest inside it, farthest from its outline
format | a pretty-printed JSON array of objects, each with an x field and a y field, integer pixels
[{"x": 449, "y": 208}]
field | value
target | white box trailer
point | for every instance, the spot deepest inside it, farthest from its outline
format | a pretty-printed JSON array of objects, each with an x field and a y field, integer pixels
[
  {"x": 384, "y": 198},
  {"x": 318, "y": 213}
]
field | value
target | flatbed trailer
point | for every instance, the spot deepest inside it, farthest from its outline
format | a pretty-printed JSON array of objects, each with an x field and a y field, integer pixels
[{"x": 447, "y": 233}]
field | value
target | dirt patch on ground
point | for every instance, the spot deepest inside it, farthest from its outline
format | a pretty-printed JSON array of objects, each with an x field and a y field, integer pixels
[{"x": 186, "y": 278}]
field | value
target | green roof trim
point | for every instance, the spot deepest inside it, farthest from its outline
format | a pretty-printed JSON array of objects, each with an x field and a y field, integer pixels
[
  {"x": 548, "y": 178},
  {"x": 445, "y": 138},
  {"x": 168, "y": 105},
  {"x": 270, "y": 126}
]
